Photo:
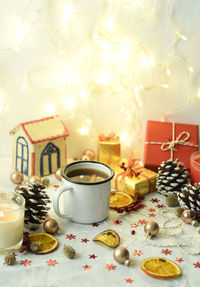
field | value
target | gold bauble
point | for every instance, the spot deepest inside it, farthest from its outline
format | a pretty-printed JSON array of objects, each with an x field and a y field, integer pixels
[
  {"x": 45, "y": 181},
  {"x": 85, "y": 157},
  {"x": 58, "y": 174},
  {"x": 17, "y": 177},
  {"x": 151, "y": 228},
  {"x": 34, "y": 179},
  {"x": 188, "y": 216},
  {"x": 121, "y": 255},
  {"x": 51, "y": 226},
  {"x": 90, "y": 153}
]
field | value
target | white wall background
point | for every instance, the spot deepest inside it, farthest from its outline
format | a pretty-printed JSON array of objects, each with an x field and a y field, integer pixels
[{"x": 102, "y": 65}]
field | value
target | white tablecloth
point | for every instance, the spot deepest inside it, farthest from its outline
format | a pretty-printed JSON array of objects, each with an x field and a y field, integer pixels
[{"x": 94, "y": 264}]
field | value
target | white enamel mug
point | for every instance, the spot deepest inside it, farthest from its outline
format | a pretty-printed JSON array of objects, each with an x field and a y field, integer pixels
[{"x": 84, "y": 202}]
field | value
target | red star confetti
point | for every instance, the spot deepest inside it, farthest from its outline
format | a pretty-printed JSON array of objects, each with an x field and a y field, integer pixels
[
  {"x": 110, "y": 267},
  {"x": 87, "y": 267},
  {"x": 152, "y": 214},
  {"x": 25, "y": 262},
  {"x": 196, "y": 265},
  {"x": 51, "y": 262},
  {"x": 129, "y": 280},
  {"x": 92, "y": 256},
  {"x": 179, "y": 259},
  {"x": 117, "y": 222},
  {"x": 155, "y": 200},
  {"x": 166, "y": 251},
  {"x": 70, "y": 236},
  {"x": 160, "y": 205},
  {"x": 151, "y": 209},
  {"x": 56, "y": 186},
  {"x": 143, "y": 221},
  {"x": 134, "y": 225},
  {"x": 137, "y": 252},
  {"x": 85, "y": 240},
  {"x": 95, "y": 224}
]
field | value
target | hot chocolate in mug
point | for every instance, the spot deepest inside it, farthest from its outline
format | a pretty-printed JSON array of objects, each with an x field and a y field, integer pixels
[{"x": 86, "y": 193}]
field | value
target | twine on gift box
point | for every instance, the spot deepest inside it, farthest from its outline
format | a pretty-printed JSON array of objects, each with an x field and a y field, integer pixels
[{"x": 181, "y": 139}]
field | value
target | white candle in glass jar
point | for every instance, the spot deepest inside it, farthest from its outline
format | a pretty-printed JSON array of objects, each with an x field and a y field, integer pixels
[{"x": 11, "y": 221}]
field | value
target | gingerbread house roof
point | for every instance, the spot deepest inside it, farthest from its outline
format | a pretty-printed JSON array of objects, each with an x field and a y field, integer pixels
[{"x": 43, "y": 129}]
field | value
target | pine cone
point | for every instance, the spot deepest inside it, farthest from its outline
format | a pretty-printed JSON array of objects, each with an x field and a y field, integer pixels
[
  {"x": 172, "y": 176},
  {"x": 189, "y": 197},
  {"x": 10, "y": 259},
  {"x": 36, "y": 200},
  {"x": 69, "y": 251}
]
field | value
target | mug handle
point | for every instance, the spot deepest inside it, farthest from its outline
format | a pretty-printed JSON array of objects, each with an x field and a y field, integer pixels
[{"x": 56, "y": 198}]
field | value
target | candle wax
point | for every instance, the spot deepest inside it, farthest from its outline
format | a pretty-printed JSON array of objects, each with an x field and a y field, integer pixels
[{"x": 11, "y": 225}]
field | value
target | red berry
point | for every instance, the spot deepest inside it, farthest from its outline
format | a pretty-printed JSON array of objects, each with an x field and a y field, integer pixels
[{"x": 132, "y": 232}]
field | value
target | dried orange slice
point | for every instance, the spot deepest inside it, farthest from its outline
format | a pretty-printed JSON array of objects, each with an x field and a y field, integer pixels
[
  {"x": 120, "y": 199},
  {"x": 47, "y": 242},
  {"x": 160, "y": 268},
  {"x": 108, "y": 237}
]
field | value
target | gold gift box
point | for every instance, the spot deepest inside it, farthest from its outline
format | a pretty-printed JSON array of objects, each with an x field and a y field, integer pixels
[
  {"x": 109, "y": 150},
  {"x": 144, "y": 183}
]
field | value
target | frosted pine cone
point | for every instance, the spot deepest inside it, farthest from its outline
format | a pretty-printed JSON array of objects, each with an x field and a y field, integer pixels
[
  {"x": 36, "y": 200},
  {"x": 189, "y": 197},
  {"x": 172, "y": 176}
]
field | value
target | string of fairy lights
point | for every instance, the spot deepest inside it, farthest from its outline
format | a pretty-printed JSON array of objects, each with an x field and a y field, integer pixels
[{"x": 103, "y": 62}]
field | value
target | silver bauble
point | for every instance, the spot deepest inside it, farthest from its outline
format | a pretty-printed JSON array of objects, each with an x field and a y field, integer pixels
[
  {"x": 151, "y": 228},
  {"x": 121, "y": 255}
]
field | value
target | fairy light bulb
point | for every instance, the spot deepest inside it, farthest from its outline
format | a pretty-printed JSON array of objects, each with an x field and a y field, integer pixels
[
  {"x": 122, "y": 109},
  {"x": 21, "y": 29},
  {"x": 84, "y": 131},
  {"x": 136, "y": 89},
  {"x": 168, "y": 72},
  {"x": 24, "y": 87},
  {"x": 148, "y": 61},
  {"x": 190, "y": 69},
  {"x": 50, "y": 108},
  {"x": 68, "y": 12},
  {"x": 140, "y": 4},
  {"x": 198, "y": 93},
  {"x": 70, "y": 103},
  {"x": 128, "y": 116},
  {"x": 85, "y": 95},
  {"x": 140, "y": 163},
  {"x": 109, "y": 24},
  {"x": 165, "y": 86},
  {"x": 183, "y": 37},
  {"x": 88, "y": 121},
  {"x": 103, "y": 79}
]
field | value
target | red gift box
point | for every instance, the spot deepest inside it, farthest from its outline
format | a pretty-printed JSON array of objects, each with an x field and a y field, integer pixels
[{"x": 165, "y": 140}]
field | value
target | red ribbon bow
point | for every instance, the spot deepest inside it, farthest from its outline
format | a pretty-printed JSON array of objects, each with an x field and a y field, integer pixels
[
  {"x": 111, "y": 137},
  {"x": 132, "y": 169}
]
